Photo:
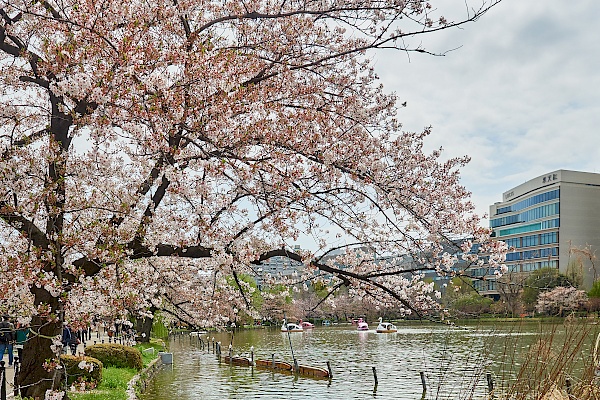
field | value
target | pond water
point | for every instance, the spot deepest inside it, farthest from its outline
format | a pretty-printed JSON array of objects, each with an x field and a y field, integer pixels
[{"x": 455, "y": 362}]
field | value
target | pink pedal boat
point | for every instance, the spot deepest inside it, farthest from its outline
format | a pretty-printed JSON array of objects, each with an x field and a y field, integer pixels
[
  {"x": 361, "y": 325},
  {"x": 306, "y": 325}
]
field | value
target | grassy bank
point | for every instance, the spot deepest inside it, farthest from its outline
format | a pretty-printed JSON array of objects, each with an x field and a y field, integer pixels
[
  {"x": 114, "y": 380},
  {"x": 113, "y": 385}
]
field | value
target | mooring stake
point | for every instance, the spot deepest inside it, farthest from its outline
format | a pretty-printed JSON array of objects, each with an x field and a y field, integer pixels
[
  {"x": 291, "y": 348},
  {"x": 375, "y": 376},
  {"x": 490, "y": 382},
  {"x": 329, "y": 368}
]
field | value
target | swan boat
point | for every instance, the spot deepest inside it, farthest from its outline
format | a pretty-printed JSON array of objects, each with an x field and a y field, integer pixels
[
  {"x": 291, "y": 327},
  {"x": 386, "y": 327}
]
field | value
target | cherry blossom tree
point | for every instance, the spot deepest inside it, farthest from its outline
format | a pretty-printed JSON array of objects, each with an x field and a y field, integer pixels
[
  {"x": 135, "y": 135},
  {"x": 560, "y": 300}
]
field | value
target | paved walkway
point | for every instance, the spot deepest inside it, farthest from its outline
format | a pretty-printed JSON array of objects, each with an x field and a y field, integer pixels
[{"x": 10, "y": 378}]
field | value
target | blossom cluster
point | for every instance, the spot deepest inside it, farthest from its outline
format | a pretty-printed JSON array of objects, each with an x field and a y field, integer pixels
[{"x": 153, "y": 154}]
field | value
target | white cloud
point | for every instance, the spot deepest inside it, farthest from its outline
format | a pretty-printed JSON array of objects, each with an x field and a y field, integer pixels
[{"x": 520, "y": 96}]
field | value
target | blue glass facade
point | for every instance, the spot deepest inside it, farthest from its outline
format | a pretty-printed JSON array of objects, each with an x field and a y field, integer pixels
[
  {"x": 529, "y": 254},
  {"x": 526, "y": 216},
  {"x": 551, "y": 223},
  {"x": 533, "y": 240},
  {"x": 533, "y": 200},
  {"x": 530, "y": 228}
]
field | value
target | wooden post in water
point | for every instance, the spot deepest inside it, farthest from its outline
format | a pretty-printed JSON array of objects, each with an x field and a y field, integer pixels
[
  {"x": 375, "y": 376},
  {"x": 329, "y": 369},
  {"x": 490, "y": 382},
  {"x": 423, "y": 383},
  {"x": 273, "y": 360},
  {"x": 291, "y": 348},
  {"x": 252, "y": 355}
]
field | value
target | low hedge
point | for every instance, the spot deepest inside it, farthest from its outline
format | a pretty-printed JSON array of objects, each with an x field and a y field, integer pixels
[
  {"x": 91, "y": 373},
  {"x": 116, "y": 355}
]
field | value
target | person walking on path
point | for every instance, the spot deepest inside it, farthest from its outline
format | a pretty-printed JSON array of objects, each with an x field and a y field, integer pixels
[
  {"x": 7, "y": 337},
  {"x": 20, "y": 338},
  {"x": 67, "y": 336}
]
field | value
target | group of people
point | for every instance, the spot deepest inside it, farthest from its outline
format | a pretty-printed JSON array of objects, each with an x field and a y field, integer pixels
[
  {"x": 14, "y": 337},
  {"x": 11, "y": 338},
  {"x": 71, "y": 337}
]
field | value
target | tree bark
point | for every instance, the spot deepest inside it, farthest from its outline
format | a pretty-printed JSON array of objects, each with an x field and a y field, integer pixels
[
  {"x": 33, "y": 379},
  {"x": 143, "y": 326}
]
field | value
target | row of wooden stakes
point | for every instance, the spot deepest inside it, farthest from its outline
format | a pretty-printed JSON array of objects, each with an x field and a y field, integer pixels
[{"x": 280, "y": 366}]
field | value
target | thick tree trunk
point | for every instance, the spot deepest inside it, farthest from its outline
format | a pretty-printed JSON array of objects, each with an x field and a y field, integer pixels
[
  {"x": 33, "y": 379},
  {"x": 143, "y": 326}
]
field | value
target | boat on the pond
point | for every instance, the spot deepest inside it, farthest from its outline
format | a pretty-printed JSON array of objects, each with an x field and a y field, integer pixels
[
  {"x": 386, "y": 327},
  {"x": 291, "y": 327},
  {"x": 306, "y": 325},
  {"x": 326, "y": 322},
  {"x": 361, "y": 325}
]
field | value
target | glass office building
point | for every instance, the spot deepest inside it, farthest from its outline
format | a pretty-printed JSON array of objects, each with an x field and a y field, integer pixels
[{"x": 545, "y": 221}]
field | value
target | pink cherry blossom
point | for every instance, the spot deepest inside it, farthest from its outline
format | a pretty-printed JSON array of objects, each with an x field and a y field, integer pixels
[{"x": 154, "y": 153}]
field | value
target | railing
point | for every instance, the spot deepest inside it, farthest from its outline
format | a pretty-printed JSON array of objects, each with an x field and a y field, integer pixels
[
  {"x": 17, "y": 366},
  {"x": 2, "y": 381}
]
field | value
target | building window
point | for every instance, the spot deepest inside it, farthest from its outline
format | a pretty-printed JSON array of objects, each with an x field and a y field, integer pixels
[
  {"x": 538, "y": 198},
  {"x": 529, "y": 215}
]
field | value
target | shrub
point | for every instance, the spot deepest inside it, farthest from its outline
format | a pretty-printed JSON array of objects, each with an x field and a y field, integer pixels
[
  {"x": 116, "y": 355},
  {"x": 82, "y": 369}
]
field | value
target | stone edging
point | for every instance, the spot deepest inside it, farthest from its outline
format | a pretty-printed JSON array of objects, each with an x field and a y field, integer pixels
[{"x": 140, "y": 381}]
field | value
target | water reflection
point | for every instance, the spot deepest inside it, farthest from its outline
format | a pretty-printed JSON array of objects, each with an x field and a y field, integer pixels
[{"x": 455, "y": 362}]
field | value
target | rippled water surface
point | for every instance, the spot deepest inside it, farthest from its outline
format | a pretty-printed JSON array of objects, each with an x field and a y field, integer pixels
[{"x": 455, "y": 362}]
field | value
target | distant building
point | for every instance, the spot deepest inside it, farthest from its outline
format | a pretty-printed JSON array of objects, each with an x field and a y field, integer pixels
[
  {"x": 279, "y": 267},
  {"x": 550, "y": 221}
]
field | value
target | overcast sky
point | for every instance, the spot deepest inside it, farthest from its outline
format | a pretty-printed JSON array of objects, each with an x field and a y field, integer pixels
[{"x": 521, "y": 97}]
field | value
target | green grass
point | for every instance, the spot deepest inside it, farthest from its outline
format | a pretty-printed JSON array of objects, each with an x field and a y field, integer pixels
[
  {"x": 114, "y": 380},
  {"x": 113, "y": 385},
  {"x": 147, "y": 357}
]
